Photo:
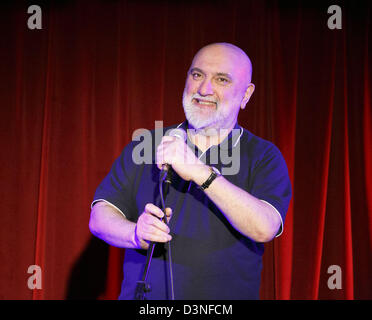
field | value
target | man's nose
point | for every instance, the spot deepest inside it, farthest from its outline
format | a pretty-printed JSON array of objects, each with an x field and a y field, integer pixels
[{"x": 205, "y": 88}]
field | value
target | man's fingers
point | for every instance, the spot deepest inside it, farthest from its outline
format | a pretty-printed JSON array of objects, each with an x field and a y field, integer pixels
[
  {"x": 152, "y": 233},
  {"x": 150, "y": 227},
  {"x": 167, "y": 139},
  {"x": 151, "y": 221},
  {"x": 168, "y": 213},
  {"x": 157, "y": 236},
  {"x": 163, "y": 149},
  {"x": 143, "y": 239},
  {"x": 162, "y": 157},
  {"x": 154, "y": 210}
]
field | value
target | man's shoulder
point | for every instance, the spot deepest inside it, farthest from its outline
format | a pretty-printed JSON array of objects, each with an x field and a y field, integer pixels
[
  {"x": 256, "y": 145},
  {"x": 254, "y": 140}
]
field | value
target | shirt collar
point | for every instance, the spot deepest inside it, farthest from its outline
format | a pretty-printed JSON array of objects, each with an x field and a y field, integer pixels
[{"x": 231, "y": 141}]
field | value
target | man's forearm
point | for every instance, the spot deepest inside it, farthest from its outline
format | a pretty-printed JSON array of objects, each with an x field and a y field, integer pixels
[
  {"x": 111, "y": 226},
  {"x": 247, "y": 214}
]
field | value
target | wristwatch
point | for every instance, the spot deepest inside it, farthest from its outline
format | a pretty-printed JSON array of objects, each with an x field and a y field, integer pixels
[{"x": 214, "y": 174}]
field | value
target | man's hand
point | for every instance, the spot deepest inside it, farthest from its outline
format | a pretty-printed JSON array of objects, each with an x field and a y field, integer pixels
[
  {"x": 150, "y": 228},
  {"x": 177, "y": 153}
]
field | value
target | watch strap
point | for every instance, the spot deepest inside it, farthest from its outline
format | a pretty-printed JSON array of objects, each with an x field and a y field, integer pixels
[{"x": 210, "y": 179}]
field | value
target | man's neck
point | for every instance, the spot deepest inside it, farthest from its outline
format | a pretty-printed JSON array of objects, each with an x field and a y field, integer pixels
[{"x": 205, "y": 138}]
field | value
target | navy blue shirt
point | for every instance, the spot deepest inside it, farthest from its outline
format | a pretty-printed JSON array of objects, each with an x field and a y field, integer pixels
[{"x": 211, "y": 260}]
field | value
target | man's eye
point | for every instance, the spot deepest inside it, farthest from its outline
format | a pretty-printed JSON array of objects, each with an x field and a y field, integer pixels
[
  {"x": 196, "y": 75},
  {"x": 222, "y": 80}
]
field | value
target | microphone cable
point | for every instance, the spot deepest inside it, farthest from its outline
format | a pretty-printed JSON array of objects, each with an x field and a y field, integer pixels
[{"x": 166, "y": 178}]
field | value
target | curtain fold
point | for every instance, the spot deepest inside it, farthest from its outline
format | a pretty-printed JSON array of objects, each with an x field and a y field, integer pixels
[{"x": 73, "y": 93}]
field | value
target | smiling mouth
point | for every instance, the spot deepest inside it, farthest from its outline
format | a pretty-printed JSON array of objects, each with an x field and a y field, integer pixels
[{"x": 206, "y": 103}]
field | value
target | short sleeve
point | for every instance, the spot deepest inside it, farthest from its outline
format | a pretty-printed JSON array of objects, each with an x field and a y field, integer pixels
[
  {"x": 271, "y": 183},
  {"x": 117, "y": 187}
]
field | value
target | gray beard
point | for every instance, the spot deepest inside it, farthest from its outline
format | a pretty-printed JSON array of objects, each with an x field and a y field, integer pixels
[{"x": 211, "y": 121}]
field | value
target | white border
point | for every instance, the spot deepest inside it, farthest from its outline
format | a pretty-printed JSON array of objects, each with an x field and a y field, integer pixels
[
  {"x": 109, "y": 203},
  {"x": 281, "y": 220}
]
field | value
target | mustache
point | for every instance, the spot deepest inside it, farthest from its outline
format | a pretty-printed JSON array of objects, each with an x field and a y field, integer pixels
[{"x": 199, "y": 97}]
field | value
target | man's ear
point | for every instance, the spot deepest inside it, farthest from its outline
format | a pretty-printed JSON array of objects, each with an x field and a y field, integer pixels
[{"x": 247, "y": 95}]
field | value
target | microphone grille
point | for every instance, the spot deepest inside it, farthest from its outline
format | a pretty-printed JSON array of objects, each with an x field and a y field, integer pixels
[{"x": 178, "y": 133}]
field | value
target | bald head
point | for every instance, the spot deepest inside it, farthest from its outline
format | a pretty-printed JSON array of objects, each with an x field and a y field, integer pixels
[{"x": 231, "y": 52}]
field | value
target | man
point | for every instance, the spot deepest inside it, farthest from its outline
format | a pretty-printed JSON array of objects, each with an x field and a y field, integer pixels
[{"x": 217, "y": 223}]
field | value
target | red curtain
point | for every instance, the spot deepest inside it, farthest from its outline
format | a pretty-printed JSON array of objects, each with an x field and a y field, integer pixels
[{"x": 73, "y": 92}]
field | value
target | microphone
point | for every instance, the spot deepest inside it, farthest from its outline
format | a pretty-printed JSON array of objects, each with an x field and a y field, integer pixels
[{"x": 166, "y": 170}]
